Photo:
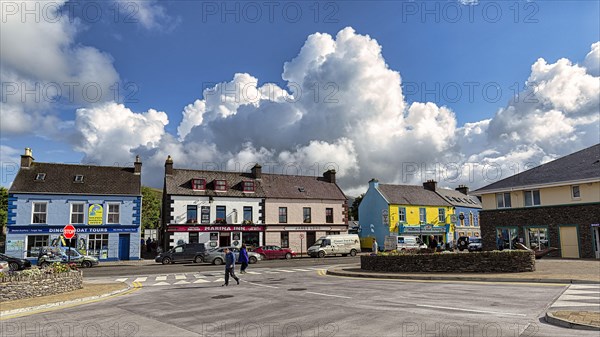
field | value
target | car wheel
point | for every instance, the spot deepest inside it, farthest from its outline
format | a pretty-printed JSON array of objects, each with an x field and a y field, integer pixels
[
  {"x": 252, "y": 259},
  {"x": 44, "y": 264},
  {"x": 198, "y": 259},
  {"x": 166, "y": 260},
  {"x": 218, "y": 261},
  {"x": 13, "y": 266},
  {"x": 288, "y": 256},
  {"x": 353, "y": 252},
  {"x": 321, "y": 254},
  {"x": 86, "y": 264}
]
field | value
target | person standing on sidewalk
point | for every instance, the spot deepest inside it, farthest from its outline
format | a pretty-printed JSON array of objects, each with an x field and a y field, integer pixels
[
  {"x": 229, "y": 267},
  {"x": 375, "y": 247},
  {"x": 243, "y": 259}
]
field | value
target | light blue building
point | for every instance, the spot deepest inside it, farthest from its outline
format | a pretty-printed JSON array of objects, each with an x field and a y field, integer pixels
[
  {"x": 103, "y": 203},
  {"x": 466, "y": 210}
]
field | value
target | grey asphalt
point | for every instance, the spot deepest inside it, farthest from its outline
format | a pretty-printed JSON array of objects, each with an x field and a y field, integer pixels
[{"x": 309, "y": 304}]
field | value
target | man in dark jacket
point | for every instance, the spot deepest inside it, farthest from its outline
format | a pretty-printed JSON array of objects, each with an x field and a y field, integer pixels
[
  {"x": 432, "y": 242},
  {"x": 229, "y": 267}
]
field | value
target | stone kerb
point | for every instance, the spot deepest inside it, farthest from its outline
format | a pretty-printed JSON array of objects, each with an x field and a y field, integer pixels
[
  {"x": 16, "y": 287},
  {"x": 481, "y": 262}
]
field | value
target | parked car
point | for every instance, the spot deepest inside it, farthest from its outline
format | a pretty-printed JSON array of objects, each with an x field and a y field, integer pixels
[
  {"x": 462, "y": 243},
  {"x": 217, "y": 257},
  {"x": 4, "y": 266},
  {"x": 189, "y": 252},
  {"x": 274, "y": 252},
  {"x": 475, "y": 244},
  {"x": 50, "y": 255},
  {"x": 15, "y": 263}
]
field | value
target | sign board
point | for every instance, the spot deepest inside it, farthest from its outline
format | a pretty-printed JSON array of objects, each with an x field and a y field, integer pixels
[
  {"x": 301, "y": 236},
  {"x": 69, "y": 231},
  {"x": 224, "y": 228},
  {"x": 95, "y": 214},
  {"x": 390, "y": 243}
]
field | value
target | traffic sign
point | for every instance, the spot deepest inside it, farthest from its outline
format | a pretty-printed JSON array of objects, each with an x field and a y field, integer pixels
[
  {"x": 301, "y": 236},
  {"x": 69, "y": 231}
]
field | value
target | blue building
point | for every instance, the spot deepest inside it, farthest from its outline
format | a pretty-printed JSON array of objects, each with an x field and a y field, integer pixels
[
  {"x": 466, "y": 211},
  {"x": 103, "y": 203}
]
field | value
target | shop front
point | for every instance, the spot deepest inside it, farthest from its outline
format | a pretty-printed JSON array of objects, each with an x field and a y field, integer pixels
[
  {"x": 300, "y": 237},
  {"x": 216, "y": 236},
  {"x": 440, "y": 233}
]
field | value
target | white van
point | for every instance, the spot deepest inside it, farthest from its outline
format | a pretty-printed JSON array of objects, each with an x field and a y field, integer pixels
[
  {"x": 410, "y": 242},
  {"x": 343, "y": 244}
]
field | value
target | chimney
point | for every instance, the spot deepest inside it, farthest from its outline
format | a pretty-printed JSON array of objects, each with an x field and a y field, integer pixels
[
  {"x": 430, "y": 185},
  {"x": 329, "y": 175},
  {"x": 137, "y": 166},
  {"x": 463, "y": 189},
  {"x": 257, "y": 171},
  {"x": 26, "y": 159},
  {"x": 374, "y": 183},
  {"x": 169, "y": 166}
]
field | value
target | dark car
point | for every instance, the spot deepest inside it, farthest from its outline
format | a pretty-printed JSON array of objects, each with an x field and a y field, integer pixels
[
  {"x": 462, "y": 243},
  {"x": 274, "y": 252},
  {"x": 15, "y": 263},
  {"x": 188, "y": 252}
]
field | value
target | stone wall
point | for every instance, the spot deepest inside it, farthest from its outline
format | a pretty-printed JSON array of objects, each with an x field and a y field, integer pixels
[
  {"x": 481, "y": 262},
  {"x": 582, "y": 216},
  {"x": 19, "y": 287}
]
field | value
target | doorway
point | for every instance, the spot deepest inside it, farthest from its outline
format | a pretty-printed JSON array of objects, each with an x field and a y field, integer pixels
[
  {"x": 224, "y": 239},
  {"x": 569, "y": 243},
  {"x": 311, "y": 237},
  {"x": 123, "y": 246},
  {"x": 194, "y": 237}
]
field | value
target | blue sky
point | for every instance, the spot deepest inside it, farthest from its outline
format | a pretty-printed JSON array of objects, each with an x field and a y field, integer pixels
[{"x": 163, "y": 54}]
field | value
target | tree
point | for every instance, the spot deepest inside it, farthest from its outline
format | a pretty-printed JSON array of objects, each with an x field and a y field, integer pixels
[
  {"x": 3, "y": 211},
  {"x": 151, "y": 205},
  {"x": 354, "y": 207}
]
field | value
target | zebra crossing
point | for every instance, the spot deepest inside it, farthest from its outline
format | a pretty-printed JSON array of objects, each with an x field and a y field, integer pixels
[
  {"x": 206, "y": 277},
  {"x": 579, "y": 297}
]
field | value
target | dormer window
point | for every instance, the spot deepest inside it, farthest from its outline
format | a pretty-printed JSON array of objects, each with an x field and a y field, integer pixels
[
  {"x": 199, "y": 184},
  {"x": 78, "y": 178},
  {"x": 248, "y": 186},
  {"x": 40, "y": 177},
  {"x": 220, "y": 185}
]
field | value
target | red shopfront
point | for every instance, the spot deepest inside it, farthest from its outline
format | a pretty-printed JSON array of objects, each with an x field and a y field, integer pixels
[{"x": 216, "y": 236}]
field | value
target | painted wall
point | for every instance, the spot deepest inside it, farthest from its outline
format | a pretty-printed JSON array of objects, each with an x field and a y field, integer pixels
[
  {"x": 413, "y": 217},
  {"x": 370, "y": 213},
  {"x": 467, "y": 221},
  {"x": 179, "y": 212},
  {"x": 549, "y": 196},
  {"x": 295, "y": 213}
]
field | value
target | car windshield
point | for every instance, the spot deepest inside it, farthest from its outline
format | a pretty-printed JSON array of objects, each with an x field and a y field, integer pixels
[
  {"x": 318, "y": 242},
  {"x": 475, "y": 240}
]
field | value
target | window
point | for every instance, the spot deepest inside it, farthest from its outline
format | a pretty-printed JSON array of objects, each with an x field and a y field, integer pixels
[
  {"x": 282, "y": 214},
  {"x": 113, "y": 213},
  {"x": 220, "y": 185},
  {"x": 401, "y": 214},
  {"x": 422, "y": 215},
  {"x": 78, "y": 178},
  {"x": 285, "y": 239},
  {"x": 35, "y": 243},
  {"x": 221, "y": 213},
  {"x": 248, "y": 214},
  {"x": 441, "y": 215},
  {"x": 77, "y": 214},
  {"x": 39, "y": 212},
  {"x": 503, "y": 200},
  {"x": 329, "y": 215},
  {"x": 205, "y": 213},
  {"x": 248, "y": 186},
  {"x": 40, "y": 177},
  {"x": 306, "y": 215},
  {"x": 536, "y": 238},
  {"x": 532, "y": 198},
  {"x": 575, "y": 194},
  {"x": 192, "y": 214},
  {"x": 97, "y": 243},
  {"x": 199, "y": 184}
]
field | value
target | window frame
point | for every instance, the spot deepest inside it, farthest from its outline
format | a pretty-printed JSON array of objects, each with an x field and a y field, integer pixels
[
  {"x": 504, "y": 195},
  {"x": 573, "y": 197},
  {"x": 283, "y": 214},
  {"x": 422, "y": 215},
  {"x": 44, "y": 242},
  {"x": 40, "y": 176},
  {"x": 442, "y": 215},
  {"x": 204, "y": 220},
  {"x": 33, "y": 212},
  {"x": 329, "y": 215},
  {"x": 305, "y": 218},
  {"x": 74, "y": 213},
  {"x": 109, "y": 213},
  {"x": 220, "y": 185},
  {"x": 532, "y": 194},
  {"x": 92, "y": 244},
  {"x": 78, "y": 178},
  {"x": 224, "y": 210},
  {"x": 198, "y": 187},
  {"x": 248, "y": 186},
  {"x": 401, "y": 214},
  {"x": 193, "y": 209},
  {"x": 245, "y": 211},
  {"x": 285, "y": 239}
]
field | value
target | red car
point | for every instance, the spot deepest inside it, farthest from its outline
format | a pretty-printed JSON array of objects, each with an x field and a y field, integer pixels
[{"x": 275, "y": 252}]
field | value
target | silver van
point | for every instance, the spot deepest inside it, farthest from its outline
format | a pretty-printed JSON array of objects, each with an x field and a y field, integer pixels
[
  {"x": 344, "y": 244},
  {"x": 410, "y": 242}
]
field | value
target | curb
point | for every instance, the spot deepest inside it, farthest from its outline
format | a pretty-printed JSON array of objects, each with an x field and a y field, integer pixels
[
  {"x": 551, "y": 319},
  {"x": 6, "y": 314},
  {"x": 344, "y": 273}
]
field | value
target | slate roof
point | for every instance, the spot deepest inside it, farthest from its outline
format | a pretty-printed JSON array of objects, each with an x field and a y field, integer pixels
[
  {"x": 180, "y": 183},
  {"x": 581, "y": 165},
  {"x": 411, "y": 195},
  {"x": 300, "y": 187},
  {"x": 59, "y": 179},
  {"x": 458, "y": 199}
]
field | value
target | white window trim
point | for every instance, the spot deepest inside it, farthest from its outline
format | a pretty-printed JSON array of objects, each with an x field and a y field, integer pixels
[
  {"x": 574, "y": 197},
  {"x": 71, "y": 213},
  {"x": 108, "y": 204},
  {"x": 503, "y": 200},
  {"x": 33, "y": 211},
  {"x": 533, "y": 204}
]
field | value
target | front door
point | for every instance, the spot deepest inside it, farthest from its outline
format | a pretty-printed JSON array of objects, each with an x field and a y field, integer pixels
[
  {"x": 224, "y": 240},
  {"x": 123, "y": 246},
  {"x": 311, "y": 237},
  {"x": 569, "y": 243}
]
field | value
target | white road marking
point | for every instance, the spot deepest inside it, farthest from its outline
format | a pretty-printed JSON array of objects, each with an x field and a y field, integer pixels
[
  {"x": 261, "y": 285},
  {"x": 302, "y": 269},
  {"x": 271, "y": 272},
  {"x": 201, "y": 281},
  {"x": 561, "y": 303},
  {"x": 140, "y": 279},
  {"x": 182, "y": 282},
  {"x": 219, "y": 280},
  {"x": 285, "y": 271},
  {"x": 470, "y": 310},
  {"x": 310, "y": 292},
  {"x": 161, "y": 284},
  {"x": 252, "y": 272},
  {"x": 570, "y": 297},
  {"x": 590, "y": 287},
  {"x": 180, "y": 277},
  {"x": 121, "y": 280},
  {"x": 161, "y": 278},
  {"x": 582, "y": 293},
  {"x": 199, "y": 276}
]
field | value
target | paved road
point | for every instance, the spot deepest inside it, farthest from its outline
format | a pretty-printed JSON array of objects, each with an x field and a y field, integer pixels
[{"x": 307, "y": 303}]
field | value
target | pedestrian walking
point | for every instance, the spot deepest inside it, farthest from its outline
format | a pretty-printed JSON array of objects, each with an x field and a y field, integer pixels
[
  {"x": 149, "y": 245},
  {"x": 500, "y": 242},
  {"x": 229, "y": 267},
  {"x": 375, "y": 247},
  {"x": 243, "y": 259}
]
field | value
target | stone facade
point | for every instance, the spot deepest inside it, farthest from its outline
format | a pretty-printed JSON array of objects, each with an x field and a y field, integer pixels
[
  {"x": 484, "y": 262},
  {"x": 20, "y": 287},
  {"x": 582, "y": 216}
]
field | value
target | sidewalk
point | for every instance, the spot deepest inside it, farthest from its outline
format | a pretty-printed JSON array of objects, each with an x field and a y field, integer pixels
[{"x": 547, "y": 271}]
